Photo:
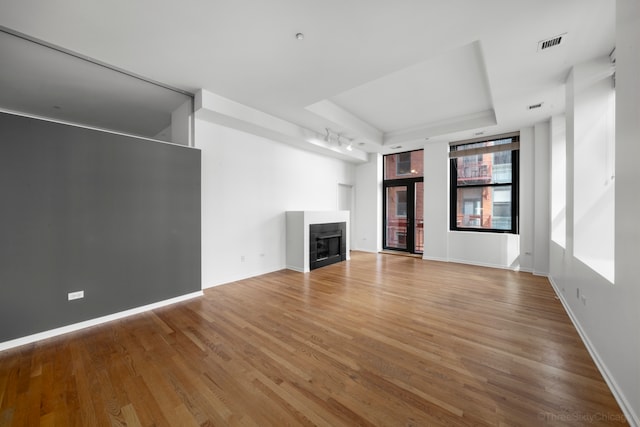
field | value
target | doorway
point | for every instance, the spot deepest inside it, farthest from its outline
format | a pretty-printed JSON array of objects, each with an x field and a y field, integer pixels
[
  {"x": 403, "y": 202},
  {"x": 403, "y": 217}
]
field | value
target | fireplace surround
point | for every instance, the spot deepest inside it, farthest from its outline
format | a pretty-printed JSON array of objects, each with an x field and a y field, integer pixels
[{"x": 329, "y": 243}]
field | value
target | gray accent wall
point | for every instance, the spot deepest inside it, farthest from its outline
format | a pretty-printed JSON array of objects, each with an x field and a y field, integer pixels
[{"x": 115, "y": 216}]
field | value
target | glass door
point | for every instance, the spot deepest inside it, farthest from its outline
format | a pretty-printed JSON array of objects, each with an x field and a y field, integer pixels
[
  {"x": 404, "y": 217},
  {"x": 396, "y": 225},
  {"x": 418, "y": 218},
  {"x": 403, "y": 207}
]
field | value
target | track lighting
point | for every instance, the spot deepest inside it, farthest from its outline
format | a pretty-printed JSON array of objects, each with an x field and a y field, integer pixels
[{"x": 333, "y": 137}]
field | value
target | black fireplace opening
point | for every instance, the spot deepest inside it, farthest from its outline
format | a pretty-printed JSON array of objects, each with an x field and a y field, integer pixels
[{"x": 327, "y": 244}]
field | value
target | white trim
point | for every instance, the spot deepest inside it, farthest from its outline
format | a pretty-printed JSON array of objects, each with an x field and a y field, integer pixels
[
  {"x": 93, "y": 322},
  {"x": 482, "y": 264},
  {"x": 541, "y": 274},
  {"x": 434, "y": 258},
  {"x": 215, "y": 284},
  {"x": 369, "y": 251},
  {"x": 486, "y": 264},
  {"x": 295, "y": 268},
  {"x": 627, "y": 409}
]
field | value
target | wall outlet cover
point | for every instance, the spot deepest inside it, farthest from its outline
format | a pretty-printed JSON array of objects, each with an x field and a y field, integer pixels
[{"x": 75, "y": 295}]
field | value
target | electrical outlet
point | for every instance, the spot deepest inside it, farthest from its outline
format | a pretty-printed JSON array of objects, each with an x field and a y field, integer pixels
[
  {"x": 75, "y": 295},
  {"x": 242, "y": 258}
]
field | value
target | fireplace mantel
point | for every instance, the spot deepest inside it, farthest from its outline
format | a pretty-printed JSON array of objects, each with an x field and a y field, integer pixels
[{"x": 298, "y": 223}]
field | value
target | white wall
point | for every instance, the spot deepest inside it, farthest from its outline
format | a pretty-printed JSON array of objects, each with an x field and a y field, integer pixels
[
  {"x": 436, "y": 197},
  {"x": 623, "y": 315},
  {"x": 180, "y": 131},
  {"x": 527, "y": 185},
  {"x": 593, "y": 147},
  {"x": 248, "y": 182},
  {"x": 367, "y": 225},
  {"x": 541, "y": 198},
  {"x": 606, "y": 314},
  {"x": 558, "y": 160},
  {"x": 499, "y": 250},
  {"x": 182, "y": 124},
  {"x": 525, "y": 251}
]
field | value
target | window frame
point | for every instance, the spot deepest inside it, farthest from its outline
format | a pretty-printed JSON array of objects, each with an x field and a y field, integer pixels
[
  {"x": 409, "y": 181},
  {"x": 455, "y": 154}
]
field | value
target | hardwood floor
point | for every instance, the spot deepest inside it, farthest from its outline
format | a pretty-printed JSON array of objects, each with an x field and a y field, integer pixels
[{"x": 379, "y": 340}]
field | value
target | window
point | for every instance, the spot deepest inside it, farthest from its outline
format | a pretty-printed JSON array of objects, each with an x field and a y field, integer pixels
[
  {"x": 484, "y": 184},
  {"x": 403, "y": 166},
  {"x": 407, "y": 165}
]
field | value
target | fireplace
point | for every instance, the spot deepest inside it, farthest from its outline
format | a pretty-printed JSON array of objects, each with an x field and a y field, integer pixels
[
  {"x": 327, "y": 244},
  {"x": 316, "y": 239}
]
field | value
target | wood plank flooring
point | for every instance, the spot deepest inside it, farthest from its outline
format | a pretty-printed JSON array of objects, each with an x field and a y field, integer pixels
[{"x": 380, "y": 340}]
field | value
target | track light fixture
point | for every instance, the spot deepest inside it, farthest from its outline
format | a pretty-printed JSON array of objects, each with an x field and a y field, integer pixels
[
  {"x": 327, "y": 137},
  {"x": 333, "y": 137}
]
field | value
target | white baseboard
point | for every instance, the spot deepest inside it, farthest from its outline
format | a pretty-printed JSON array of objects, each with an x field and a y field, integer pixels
[
  {"x": 208, "y": 286},
  {"x": 486, "y": 264},
  {"x": 93, "y": 322},
  {"x": 370, "y": 251},
  {"x": 434, "y": 258},
  {"x": 632, "y": 417},
  {"x": 224, "y": 280}
]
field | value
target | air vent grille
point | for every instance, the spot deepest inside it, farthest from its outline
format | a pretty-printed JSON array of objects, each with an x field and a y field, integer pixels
[
  {"x": 552, "y": 42},
  {"x": 534, "y": 106}
]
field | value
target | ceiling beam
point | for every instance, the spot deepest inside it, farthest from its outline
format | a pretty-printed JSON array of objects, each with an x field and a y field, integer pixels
[{"x": 217, "y": 109}]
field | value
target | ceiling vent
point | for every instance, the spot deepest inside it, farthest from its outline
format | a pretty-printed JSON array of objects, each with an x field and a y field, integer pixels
[
  {"x": 534, "y": 106},
  {"x": 552, "y": 42}
]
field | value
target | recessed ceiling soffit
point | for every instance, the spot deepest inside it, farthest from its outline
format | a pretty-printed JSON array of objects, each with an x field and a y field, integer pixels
[{"x": 443, "y": 94}]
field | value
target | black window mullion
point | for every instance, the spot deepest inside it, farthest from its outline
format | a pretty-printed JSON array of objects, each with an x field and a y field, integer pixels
[
  {"x": 515, "y": 196},
  {"x": 453, "y": 194},
  {"x": 500, "y": 184}
]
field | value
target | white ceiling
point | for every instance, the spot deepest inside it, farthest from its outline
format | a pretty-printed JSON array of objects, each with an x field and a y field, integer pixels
[
  {"x": 397, "y": 72},
  {"x": 445, "y": 86}
]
